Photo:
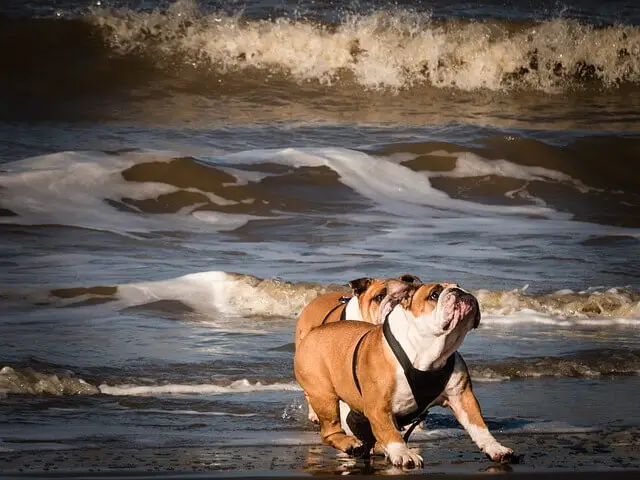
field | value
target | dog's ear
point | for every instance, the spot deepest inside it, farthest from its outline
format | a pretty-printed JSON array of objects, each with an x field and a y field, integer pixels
[
  {"x": 359, "y": 285},
  {"x": 400, "y": 292},
  {"x": 476, "y": 321},
  {"x": 409, "y": 278},
  {"x": 397, "y": 293}
]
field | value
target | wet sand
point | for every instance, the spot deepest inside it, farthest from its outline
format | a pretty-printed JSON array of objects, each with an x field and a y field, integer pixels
[{"x": 548, "y": 453}]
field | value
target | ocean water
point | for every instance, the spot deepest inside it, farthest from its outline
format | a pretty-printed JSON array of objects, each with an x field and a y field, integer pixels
[{"x": 178, "y": 179}]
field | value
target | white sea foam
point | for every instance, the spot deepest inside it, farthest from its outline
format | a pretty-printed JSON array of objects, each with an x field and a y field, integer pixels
[
  {"x": 393, "y": 187},
  {"x": 225, "y": 293},
  {"x": 75, "y": 188},
  {"x": 30, "y": 382},
  {"x": 72, "y": 188},
  {"x": 239, "y": 386},
  {"x": 190, "y": 412},
  {"x": 221, "y": 297},
  {"x": 531, "y": 317},
  {"x": 469, "y": 164}
]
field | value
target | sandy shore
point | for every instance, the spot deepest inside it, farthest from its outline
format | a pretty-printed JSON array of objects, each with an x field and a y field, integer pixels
[{"x": 617, "y": 450}]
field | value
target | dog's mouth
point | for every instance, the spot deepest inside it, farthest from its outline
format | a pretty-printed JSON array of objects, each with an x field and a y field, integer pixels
[{"x": 457, "y": 306}]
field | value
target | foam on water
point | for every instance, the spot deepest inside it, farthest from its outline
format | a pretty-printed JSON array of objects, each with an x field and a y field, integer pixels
[
  {"x": 226, "y": 293},
  {"x": 105, "y": 191},
  {"x": 393, "y": 187},
  {"x": 192, "y": 412},
  {"x": 526, "y": 316},
  {"x": 591, "y": 363},
  {"x": 620, "y": 306},
  {"x": 472, "y": 165},
  {"x": 239, "y": 386},
  {"x": 392, "y": 48},
  {"x": 32, "y": 382},
  {"x": 600, "y": 361},
  {"x": 234, "y": 294},
  {"x": 74, "y": 188}
]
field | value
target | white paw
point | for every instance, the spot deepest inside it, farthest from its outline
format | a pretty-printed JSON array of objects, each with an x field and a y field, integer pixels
[
  {"x": 400, "y": 456},
  {"x": 313, "y": 416},
  {"x": 498, "y": 453}
]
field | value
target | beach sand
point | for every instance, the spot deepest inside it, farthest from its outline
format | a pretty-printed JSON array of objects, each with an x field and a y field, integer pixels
[{"x": 600, "y": 452}]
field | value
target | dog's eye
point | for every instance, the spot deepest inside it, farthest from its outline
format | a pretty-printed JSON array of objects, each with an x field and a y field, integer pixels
[
  {"x": 378, "y": 298},
  {"x": 435, "y": 294}
]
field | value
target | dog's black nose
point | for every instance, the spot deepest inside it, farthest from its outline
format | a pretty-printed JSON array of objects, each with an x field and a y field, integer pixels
[{"x": 458, "y": 291}]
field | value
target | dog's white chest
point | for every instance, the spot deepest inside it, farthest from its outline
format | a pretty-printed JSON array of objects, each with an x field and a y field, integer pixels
[
  {"x": 352, "y": 310},
  {"x": 403, "y": 401}
]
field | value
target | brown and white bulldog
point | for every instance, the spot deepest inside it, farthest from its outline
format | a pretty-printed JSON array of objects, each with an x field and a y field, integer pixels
[
  {"x": 389, "y": 374},
  {"x": 363, "y": 304}
]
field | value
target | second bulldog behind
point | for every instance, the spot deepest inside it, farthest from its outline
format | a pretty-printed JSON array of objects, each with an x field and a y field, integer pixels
[
  {"x": 389, "y": 374},
  {"x": 363, "y": 303}
]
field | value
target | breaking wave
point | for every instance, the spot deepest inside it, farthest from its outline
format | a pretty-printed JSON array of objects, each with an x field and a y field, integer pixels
[
  {"x": 581, "y": 307},
  {"x": 396, "y": 48},
  {"x": 581, "y": 364},
  {"x": 246, "y": 295},
  {"x": 31, "y": 382},
  {"x": 134, "y": 192},
  {"x": 384, "y": 49}
]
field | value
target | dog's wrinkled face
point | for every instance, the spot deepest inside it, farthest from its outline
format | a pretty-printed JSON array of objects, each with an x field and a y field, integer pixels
[
  {"x": 371, "y": 292},
  {"x": 445, "y": 307}
]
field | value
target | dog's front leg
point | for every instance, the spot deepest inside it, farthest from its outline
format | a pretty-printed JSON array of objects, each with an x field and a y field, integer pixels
[
  {"x": 466, "y": 409},
  {"x": 388, "y": 436}
]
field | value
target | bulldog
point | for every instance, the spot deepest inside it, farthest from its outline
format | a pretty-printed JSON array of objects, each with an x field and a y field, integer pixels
[
  {"x": 389, "y": 374},
  {"x": 363, "y": 304}
]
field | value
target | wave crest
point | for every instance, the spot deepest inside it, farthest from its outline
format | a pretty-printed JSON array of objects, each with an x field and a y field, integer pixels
[
  {"x": 31, "y": 382},
  {"x": 614, "y": 302},
  {"x": 395, "y": 49},
  {"x": 582, "y": 364},
  {"x": 247, "y": 295}
]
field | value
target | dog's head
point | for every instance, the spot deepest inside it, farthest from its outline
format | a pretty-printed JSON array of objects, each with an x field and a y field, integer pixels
[
  {"x": 442, "y": 308},
  {"x": 371, "y": 292}
]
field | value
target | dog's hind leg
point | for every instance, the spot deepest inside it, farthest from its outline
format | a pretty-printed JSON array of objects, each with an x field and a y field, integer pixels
[
  {"x": 327, "y": 408},
  {"x": 361, "y": 428},
  {"x": 312, "y": 415}
]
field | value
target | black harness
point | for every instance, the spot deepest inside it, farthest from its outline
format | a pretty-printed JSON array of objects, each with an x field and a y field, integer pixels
[
  {"x": 425, "y": 386},
  {"x": 342, "y": 302}
]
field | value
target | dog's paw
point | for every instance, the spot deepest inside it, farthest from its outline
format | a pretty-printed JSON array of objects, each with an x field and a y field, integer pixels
[
  {"x": 501, "y": 454},
  {"x": 313, "y": 417},
  {"x": 400, "y": 456},
  {"x": 353, "y": 447}
]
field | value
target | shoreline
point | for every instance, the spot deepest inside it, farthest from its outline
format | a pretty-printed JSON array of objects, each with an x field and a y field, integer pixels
[{"x": 551, "y": 453}]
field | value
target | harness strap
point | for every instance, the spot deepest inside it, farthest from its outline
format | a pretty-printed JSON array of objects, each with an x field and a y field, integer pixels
[
  {"x": 354, "y": 363},
  {"x": 415, "y": 423},
  {"x": 426, "y": 385},
  {"x": 396, "y": 348},
  {"x": 342, "y": 302}
]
